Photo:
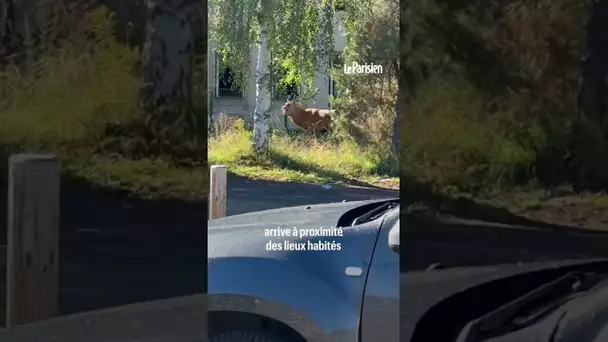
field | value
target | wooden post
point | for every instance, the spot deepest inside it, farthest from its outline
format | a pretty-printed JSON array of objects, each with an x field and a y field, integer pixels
[
  {"x": 33, "y": 238},
  {"x": 217, "y": 191}
]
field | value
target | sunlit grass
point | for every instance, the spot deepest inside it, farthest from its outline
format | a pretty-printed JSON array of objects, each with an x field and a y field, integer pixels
[{"x": 300, "y": 158}]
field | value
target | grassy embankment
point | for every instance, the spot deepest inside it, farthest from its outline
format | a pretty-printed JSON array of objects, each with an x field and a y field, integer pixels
[{"x": 298, "y": 159}]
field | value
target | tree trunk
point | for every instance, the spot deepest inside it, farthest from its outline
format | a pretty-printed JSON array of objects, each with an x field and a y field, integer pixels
[
  {"x": 593, "y": 136},
  {"x": 395, "y": 138},
  {"x": 262, "y": 95},
  {"x": 321, "y": 100},
  {"x": 167, "y": 73}
]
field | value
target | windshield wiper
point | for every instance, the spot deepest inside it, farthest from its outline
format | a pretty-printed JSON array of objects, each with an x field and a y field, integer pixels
[
  {"x": 528, "y": 307},
  {"x": 375, "y": 213}
]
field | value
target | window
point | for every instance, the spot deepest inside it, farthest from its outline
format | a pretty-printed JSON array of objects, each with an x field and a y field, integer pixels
[
  {"x": 284, "y": 92},
  {"x": 225, "y": 86},
  {"x": 332, "y": 87},
  {"x": 336, "y": 63}
]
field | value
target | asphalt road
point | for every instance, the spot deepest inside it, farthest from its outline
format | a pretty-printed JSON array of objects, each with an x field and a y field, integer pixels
[{"x": 245, "y": 195}]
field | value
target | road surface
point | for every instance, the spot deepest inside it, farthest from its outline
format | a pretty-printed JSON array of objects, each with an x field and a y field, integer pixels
[{"x": 245, "y": 195}]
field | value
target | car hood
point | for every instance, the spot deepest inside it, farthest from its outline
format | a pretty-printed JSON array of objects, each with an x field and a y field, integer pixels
[
  {"x": 243, "y": 235},
  {"x": 239, "y": 261},
  {"x": 168, "y": 320},
  {"x": 421, "y": 290}
]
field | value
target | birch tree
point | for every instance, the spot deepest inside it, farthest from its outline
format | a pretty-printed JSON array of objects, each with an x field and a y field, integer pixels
[
  {"x": 262, "y": 89},
  {"x": 168, "y": 65},
  {"x": 297, "y": 34}
]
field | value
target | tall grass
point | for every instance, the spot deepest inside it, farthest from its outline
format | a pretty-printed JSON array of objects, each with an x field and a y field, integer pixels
[
  {"x": 450, "y": 138},
  {"x": 64, "y": 102},
  {"x": 293, "y": 157}
]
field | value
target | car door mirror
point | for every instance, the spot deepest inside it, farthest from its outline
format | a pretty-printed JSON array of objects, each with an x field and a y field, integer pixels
[{"x": 393, "y": 237}]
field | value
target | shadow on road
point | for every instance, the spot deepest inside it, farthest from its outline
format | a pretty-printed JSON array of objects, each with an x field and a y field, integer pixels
[
  {"x": 470, "y": 209},
  {"x": 246, "y": 195},
  {"x": 117, "y": 250}
]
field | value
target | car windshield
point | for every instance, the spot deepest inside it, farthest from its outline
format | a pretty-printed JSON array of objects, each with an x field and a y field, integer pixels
[
  {"x": 377, "y": 212},
  {"x": 529, "y": 309}
]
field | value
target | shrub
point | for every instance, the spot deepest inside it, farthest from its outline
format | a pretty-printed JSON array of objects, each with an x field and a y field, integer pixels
[{"x": 82, "y": 83}]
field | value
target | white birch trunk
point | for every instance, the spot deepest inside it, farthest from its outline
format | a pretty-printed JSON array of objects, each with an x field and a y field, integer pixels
[
  {"x": 262, "y": 94},
  {"x": 167, "y": 70},
  {"x": 395, "y": 138},
  {"x": 321, "y": 98}
]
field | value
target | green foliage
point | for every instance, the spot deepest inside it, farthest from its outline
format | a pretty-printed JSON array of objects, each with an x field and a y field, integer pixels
[
  {"x": 372, "y": 27},
  {"x": 450, "y": 140},
  {"x": 366, "y": 103},
  {"x": 82, "y": 83},
  {"x": 498, "y": 84},
  {"x": 293, "y": 29}
]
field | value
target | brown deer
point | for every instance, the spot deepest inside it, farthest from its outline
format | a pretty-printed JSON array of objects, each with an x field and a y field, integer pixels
[{"x": 308, "y": 119}]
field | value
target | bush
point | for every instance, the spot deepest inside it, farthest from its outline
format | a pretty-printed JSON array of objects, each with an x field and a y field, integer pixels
[
  {"x": 82, "y": 83},
  {"x": 498, "y": 95},
  {"x": 450, "y": 140}
]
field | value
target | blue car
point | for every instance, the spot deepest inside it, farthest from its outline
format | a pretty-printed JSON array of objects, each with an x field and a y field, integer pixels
[{"x": 327, "y": 272}]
